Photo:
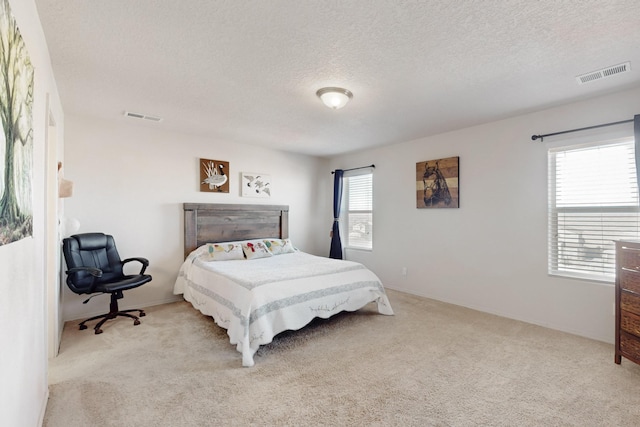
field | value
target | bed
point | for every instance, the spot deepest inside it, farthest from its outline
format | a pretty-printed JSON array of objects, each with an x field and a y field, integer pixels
[{"x": 267, "y": 286}]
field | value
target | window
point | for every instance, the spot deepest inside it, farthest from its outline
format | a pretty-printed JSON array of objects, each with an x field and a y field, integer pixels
[
  {"x": 593, "y": 201},
  {"x": 359, "y": 211}
]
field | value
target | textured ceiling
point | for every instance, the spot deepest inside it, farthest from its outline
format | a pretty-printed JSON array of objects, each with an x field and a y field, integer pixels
[{"x": 247, "y": 71}]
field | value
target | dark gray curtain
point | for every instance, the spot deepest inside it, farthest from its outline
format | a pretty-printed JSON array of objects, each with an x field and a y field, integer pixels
[{"x": 336, "y": 244}]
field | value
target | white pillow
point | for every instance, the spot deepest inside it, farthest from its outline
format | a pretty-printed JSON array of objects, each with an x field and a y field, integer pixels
[
  {"x": 223, "y": 252},
  {"x": 255, "y": 249},
  {"x": 279, "y": 246}
]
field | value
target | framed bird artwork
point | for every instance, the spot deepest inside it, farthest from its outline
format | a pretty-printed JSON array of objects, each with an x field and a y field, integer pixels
[
  {"x": 214, "y": 176},
  {"x": 255, "y": 184}
]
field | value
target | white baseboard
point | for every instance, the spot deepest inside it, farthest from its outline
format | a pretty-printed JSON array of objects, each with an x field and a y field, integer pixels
[
  {"x": 500, "y": 313},
  {"x": 85, "y": 315}
]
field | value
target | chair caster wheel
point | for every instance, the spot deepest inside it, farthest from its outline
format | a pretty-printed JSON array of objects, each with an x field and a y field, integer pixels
[
  {"x": 83, "y": 327},
  {"x": 98, "y": 331},
  {"x": 136, "y": 322},
  {"x": 142, "y": 314}
]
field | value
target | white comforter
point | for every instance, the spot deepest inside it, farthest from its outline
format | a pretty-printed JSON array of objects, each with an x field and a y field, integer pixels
[{"x": 257, "y": 299}]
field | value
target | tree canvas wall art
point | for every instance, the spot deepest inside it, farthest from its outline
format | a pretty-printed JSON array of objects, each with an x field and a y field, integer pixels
[
  {"x": 16, "y": 144},
  {"x": 437, "y": 183}
]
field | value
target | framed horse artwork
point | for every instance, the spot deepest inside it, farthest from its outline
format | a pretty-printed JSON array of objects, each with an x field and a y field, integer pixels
[{"x": 437, "y": 184}]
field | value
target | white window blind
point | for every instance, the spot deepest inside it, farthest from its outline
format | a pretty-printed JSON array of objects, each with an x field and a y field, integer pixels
[
  {"x": 359, "y": 212},
  {"x": 593, "y": 201}
]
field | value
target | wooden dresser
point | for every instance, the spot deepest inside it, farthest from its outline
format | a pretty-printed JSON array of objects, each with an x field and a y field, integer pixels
[{"x": 628, "y": 301}]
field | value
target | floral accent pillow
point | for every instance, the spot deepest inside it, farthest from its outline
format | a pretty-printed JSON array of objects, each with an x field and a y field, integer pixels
[
  {"x": 280, "y": 246},
  {"x": 255, "y": 249},
  {"x": 223, "y": 252}
]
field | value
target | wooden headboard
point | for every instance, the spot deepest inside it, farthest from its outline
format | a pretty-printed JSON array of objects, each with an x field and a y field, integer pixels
[{"x": 212, "y": 222}]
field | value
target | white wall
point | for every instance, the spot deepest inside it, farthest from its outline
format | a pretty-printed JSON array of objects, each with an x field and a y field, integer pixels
[
  {"x": 131, "y": 181},
  {"x": 23, "y": 324},
  {"x": 491, "y": 253}
]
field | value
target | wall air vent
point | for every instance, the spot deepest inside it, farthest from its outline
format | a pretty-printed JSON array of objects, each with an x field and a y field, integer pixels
[
  {"x": 605, "y": 72},
  {"x": 142, "y": 116}
]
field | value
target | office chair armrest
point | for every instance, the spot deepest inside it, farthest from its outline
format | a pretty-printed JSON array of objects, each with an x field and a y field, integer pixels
[
  {"x": 95, "y": 272},
  {"x": 143, "y": 261}
]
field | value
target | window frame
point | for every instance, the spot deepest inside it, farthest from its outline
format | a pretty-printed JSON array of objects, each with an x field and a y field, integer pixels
[
  {"x": 346, "y": 212},
  {"x": 553, "y": 222}
]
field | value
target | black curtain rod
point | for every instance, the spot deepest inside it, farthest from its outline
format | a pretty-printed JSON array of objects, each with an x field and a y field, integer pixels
[
  {"x": 361, "y": 167},
  {"x": 534, "y": 137}
]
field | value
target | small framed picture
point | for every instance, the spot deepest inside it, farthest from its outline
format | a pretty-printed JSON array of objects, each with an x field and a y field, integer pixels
[
  {"x": 437, "y": 183},
  {"x": 255, "y": 184},
  {"x": 214, "y": 176}
]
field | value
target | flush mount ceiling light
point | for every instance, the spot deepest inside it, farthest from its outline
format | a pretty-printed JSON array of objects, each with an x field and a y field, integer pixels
[{"x": 334, "y": 97}]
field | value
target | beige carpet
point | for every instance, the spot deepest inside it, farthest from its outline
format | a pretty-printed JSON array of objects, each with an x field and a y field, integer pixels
[{"x": 432, "y": 364}]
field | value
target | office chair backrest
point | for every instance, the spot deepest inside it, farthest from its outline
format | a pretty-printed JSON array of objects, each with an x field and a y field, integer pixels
[{"x": 95, "y": 250}]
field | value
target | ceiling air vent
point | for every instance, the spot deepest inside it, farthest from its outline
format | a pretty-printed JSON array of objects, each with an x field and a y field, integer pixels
[
  {"x": 142, "y": 116},
  {"x": 605, "y": 72}
]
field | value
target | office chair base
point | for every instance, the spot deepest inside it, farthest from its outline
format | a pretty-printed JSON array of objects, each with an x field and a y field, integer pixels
[{"x": 112, "y": 314}]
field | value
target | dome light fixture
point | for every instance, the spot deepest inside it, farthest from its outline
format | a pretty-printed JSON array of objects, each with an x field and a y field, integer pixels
[{"x": 334, "y": 97}]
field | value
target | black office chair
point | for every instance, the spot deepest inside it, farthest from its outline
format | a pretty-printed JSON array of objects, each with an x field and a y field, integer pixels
[{"x": 95, "y": 267}]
